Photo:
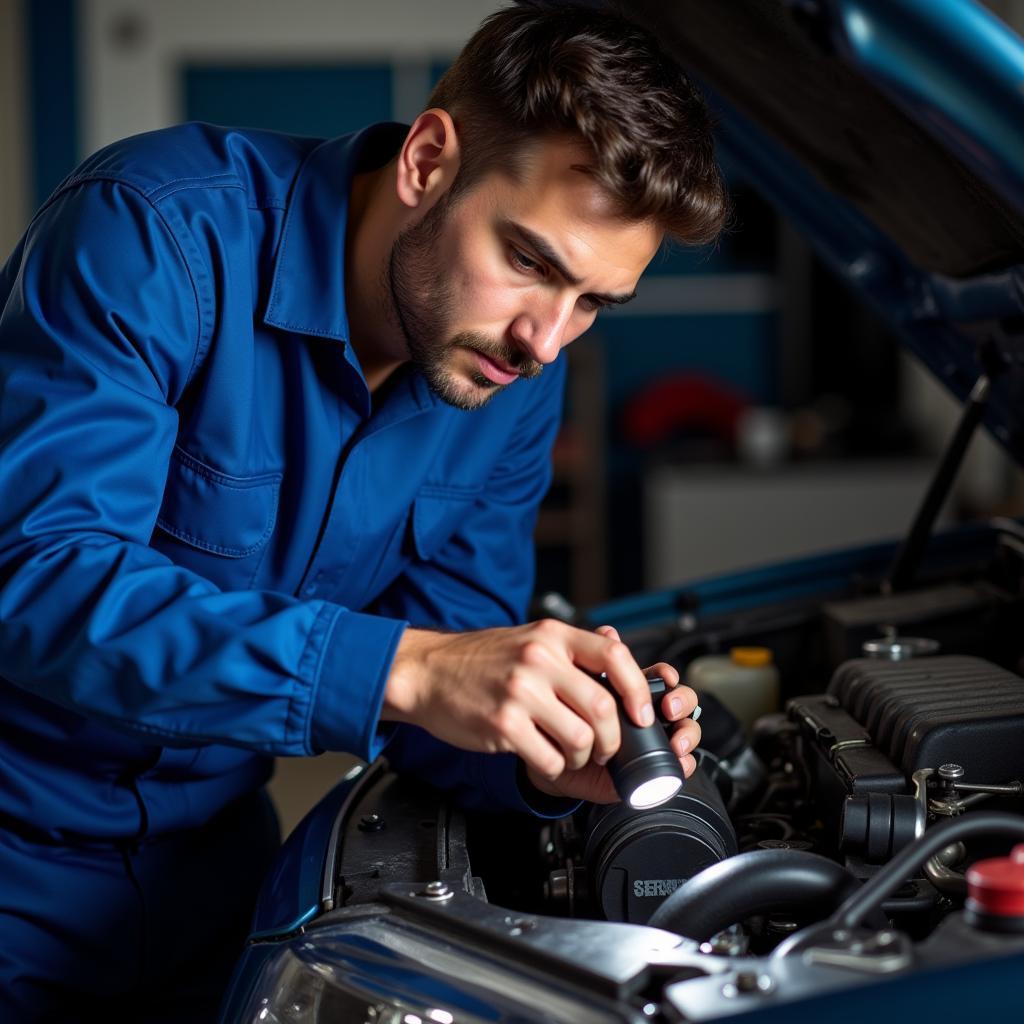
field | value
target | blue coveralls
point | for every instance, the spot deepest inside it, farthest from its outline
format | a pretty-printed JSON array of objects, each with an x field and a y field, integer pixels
[{"x": 210, "y": 544}]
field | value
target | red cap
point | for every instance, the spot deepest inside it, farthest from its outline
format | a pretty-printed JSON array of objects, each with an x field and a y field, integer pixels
[{"x": 997, "y": 886}]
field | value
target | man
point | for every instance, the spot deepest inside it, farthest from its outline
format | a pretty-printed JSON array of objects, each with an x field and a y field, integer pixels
[{"x": 269, "y": 477}]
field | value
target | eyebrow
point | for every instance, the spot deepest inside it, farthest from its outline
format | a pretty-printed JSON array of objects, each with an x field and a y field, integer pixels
[{"x": 543, "y": 248}]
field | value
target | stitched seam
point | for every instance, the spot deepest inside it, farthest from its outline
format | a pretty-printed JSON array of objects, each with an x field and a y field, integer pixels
[
  {"x": 219, "y": 549},
  {"x": 228, "y": 551},
  {"x": 222, "y": 549},
  {"x": 215, "y": 476},
  {"x": 272, "y": 203},
  {"x": 85, "y": 179},
  {"x": 128, "y": 180},
  {"x": 162, "y": 193},
  {"x": 284, "y": 245},
  {"x": 264, "y": 546},
  {"x": 303, "y": 329},
  {"x": 455, "y": 493},
  {"x": 222, "y": 180},
  {"x": 311, "y": 679},
  {"x": 153, "y": 730},
  {"x": 206, "y": 331},
  {"x": 192, "y": 282}
]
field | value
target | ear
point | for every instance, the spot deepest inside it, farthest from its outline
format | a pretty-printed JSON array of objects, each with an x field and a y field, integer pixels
[{"x": 429, "y": 160}]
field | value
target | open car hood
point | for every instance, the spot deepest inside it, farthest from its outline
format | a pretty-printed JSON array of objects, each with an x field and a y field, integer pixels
[{"x": 889, "y": 132}]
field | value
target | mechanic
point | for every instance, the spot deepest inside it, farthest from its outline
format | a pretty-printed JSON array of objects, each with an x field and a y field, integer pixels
[{"x": 276, "y": 418}]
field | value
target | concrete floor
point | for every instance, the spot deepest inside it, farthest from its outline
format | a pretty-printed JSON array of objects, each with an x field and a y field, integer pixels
[{"x": 299, "y": 782}]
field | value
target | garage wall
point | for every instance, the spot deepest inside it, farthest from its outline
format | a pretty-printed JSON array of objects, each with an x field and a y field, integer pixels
[
  {"x": 13, "y": 106},
  {"x": 132, "y": 53}
]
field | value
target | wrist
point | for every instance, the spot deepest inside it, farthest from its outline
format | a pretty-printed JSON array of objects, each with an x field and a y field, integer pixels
[{"x": 406, "y": 679}]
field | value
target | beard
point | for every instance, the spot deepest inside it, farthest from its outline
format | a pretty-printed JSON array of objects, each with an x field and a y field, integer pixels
[{"x": 422, "y": 308}]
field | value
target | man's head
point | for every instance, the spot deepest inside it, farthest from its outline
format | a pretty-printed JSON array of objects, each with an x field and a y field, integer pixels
[{"x": 559, "y": 150}]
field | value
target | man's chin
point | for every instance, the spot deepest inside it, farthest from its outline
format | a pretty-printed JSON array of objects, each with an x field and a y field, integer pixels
[{"x": 462, "y": 391}]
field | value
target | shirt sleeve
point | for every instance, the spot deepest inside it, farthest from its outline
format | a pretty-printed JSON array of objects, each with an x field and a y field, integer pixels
[
  {"x": 99, "y": 328},
  {"x": 481, "y": 577}
]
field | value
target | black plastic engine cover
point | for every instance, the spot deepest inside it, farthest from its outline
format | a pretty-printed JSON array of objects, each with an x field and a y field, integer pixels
[
  {"x": 635, "y": 859},
  {"x": 926, "y": 712}
]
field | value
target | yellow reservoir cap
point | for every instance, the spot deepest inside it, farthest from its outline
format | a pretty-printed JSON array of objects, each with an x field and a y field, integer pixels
[{"x": 750, "y": 657}]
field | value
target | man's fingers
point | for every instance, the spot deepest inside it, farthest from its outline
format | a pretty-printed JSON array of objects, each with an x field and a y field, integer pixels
[
  {"x": 685, "y": 737},
  {"x": 580, "y": 716},
  {"x": 628, "y": 679},
  {"x": 678, "y": 703},
  {"x": 538, "y": 752},
  {"x": 600, "y": 653},
  {"x": 666, "y": 671},
  {"x": 570, "y": 733},
  {"x": 593, "y": 703}
]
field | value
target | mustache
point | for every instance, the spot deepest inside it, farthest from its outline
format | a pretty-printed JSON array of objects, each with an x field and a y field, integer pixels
[{"x": 500, "y": 352}]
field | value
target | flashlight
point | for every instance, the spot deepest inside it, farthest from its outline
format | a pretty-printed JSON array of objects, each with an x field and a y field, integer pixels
[{"x": 645, "y": 769}]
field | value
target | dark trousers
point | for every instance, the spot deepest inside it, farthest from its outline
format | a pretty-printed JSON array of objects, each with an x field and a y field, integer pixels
[{"x": 141, "y": 932}]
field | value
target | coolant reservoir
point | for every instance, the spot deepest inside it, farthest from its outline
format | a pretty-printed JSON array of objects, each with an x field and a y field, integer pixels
[{"x": 745, "y": 680}]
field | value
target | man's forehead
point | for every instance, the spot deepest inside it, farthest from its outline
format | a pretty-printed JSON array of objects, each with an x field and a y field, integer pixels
[
  {"x": 552, "y": 192},
  {"x": 556, "y": 166}
]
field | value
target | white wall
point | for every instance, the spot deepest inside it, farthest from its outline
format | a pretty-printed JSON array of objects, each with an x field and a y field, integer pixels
[
  {"x": 14, "y": 148},
  {"x": 132, "y": 50}
]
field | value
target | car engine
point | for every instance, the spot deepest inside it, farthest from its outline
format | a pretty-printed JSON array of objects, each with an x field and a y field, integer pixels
[{"x": 868, "y": 828}]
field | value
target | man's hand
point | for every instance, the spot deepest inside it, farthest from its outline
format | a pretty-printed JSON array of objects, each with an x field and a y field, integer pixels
[
  {"x": 592, "y": 782},
  {"x": 529, "y": 690}
]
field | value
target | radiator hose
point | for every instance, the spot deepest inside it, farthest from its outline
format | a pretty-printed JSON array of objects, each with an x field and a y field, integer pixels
[{"x": 758, "y": 882}]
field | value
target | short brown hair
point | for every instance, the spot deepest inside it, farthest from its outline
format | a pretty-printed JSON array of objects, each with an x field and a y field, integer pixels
[{"x": 540, "y": 69}]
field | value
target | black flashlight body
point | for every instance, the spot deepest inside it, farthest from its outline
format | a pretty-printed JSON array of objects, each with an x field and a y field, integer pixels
[{"x": 645, "y": 769}]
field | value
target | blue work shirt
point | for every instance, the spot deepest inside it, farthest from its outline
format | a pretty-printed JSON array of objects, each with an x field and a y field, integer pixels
[{"x": 211, "y": 537}]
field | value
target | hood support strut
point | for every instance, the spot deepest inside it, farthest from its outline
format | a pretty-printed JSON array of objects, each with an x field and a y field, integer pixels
[{"x": 911, "y": 552}]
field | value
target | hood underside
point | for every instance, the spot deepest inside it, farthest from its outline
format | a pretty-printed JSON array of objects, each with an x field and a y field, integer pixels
[{"x": 782, "y": 72}]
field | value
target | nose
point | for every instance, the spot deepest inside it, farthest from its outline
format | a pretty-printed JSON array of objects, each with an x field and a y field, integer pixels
[{"x": 542, "y": 330}]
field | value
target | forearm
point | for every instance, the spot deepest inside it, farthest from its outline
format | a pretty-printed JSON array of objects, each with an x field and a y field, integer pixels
[{"x": 113, "y": 630}]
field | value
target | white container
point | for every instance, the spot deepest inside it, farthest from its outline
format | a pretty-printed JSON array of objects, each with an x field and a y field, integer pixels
[{"x": 745, "y": 680}]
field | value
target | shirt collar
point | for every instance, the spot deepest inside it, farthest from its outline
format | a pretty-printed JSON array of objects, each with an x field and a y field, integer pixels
[{"x": 307, "y": 292}]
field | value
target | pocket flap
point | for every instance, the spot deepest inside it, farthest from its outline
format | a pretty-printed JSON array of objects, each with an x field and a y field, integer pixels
[
  {"x": 228, "y": 515},
  {"x": 436, "y": 515}
]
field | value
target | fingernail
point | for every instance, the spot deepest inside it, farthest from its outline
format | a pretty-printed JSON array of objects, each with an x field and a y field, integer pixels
[
  {"x": 675, "y": 705},
  {"x": 602, "y": 759},
  {"x": 684, "y": 747},
  {"x": 647, "y": 715}
]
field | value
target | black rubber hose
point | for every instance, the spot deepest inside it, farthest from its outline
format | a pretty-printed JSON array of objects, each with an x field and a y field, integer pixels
[
  {"x": 904, "y": 865},
  {"x": 759, "y": 882},
  {"x": 912, "y": 857}
]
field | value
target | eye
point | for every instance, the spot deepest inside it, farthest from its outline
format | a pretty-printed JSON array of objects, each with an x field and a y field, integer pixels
[
  {"x": 591, "y": 305},
  {"x": 523, "y": 262}
]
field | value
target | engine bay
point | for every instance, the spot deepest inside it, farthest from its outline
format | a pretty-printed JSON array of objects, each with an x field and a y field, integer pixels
[{"x": 866, "y": 827}]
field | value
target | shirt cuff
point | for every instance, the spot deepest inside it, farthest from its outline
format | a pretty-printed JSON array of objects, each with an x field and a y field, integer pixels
[{"x": 353, "y": 675}]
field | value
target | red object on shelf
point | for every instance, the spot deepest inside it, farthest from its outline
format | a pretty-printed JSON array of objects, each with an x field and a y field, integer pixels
[
  {"x": 682, "y": 402},
  {"x": 996, "y": 886}
]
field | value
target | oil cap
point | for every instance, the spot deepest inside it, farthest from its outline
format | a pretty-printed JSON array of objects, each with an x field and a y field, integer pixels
[{"x": 995, "y": 893}]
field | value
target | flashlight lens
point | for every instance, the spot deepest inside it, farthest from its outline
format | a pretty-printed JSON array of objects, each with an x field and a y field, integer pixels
[{"x": 655, "y": 791}]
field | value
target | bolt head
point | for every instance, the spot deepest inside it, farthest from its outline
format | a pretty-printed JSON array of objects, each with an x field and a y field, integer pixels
[
  {"x": 746, "y": 981},
  {"x": 951, "y": 771}
]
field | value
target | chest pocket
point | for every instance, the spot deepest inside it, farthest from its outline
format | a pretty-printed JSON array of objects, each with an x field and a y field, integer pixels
[
  {"x": 436, "y": 514},
  {"x": 216, "y": 524}
]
